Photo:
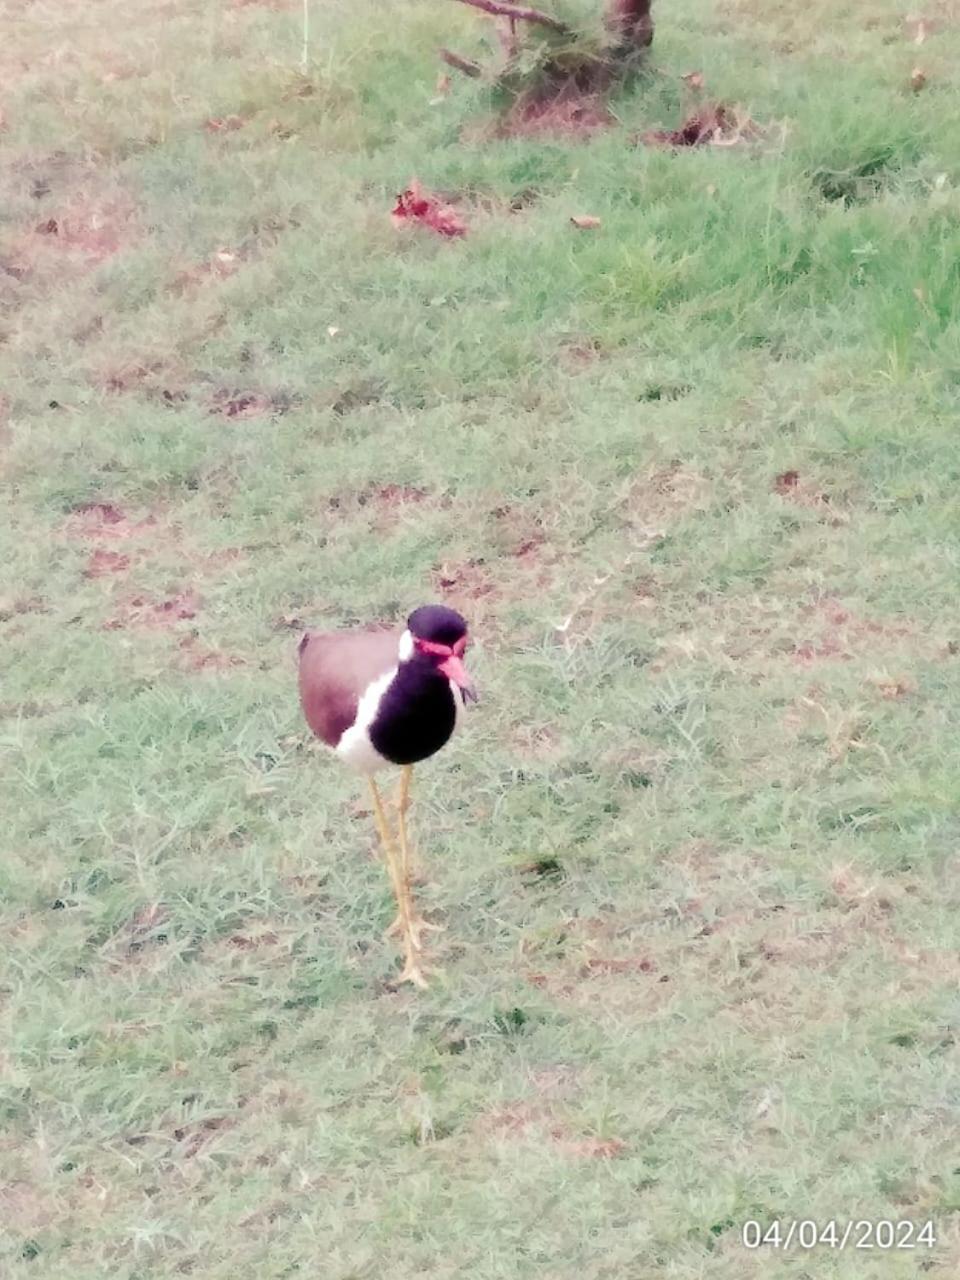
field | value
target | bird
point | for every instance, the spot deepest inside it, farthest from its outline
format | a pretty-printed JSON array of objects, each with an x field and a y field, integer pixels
[{"x": 382, "y": 696}]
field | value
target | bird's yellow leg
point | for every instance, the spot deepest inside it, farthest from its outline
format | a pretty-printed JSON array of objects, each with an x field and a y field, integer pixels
[
  {"x": 418, "y": 926},
  {"x": 411, "y": 963}
]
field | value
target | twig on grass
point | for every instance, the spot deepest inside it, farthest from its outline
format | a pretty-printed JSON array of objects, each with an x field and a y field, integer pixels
[
  {"x": 518, "y": 13},
  {"x": 466, "y": 65}
]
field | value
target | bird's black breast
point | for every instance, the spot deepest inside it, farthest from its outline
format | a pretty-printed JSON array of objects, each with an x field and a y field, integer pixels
[{"x": 416, "y": 716}]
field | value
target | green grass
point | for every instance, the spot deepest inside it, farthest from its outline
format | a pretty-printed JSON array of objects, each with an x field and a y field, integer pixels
[{"x": 696, "y": 853}]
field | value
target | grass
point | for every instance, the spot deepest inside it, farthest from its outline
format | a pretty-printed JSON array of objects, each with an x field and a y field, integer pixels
[{"x": 696, "y": 853}]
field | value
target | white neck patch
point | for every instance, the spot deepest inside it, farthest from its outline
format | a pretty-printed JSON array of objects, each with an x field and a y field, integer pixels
[{"x": 405, "y": 648}]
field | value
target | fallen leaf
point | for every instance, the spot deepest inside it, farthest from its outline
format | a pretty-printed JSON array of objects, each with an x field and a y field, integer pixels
[
  {"x": 786, "y": 481},
  {"x": 694, "y": 79},
  {"x": 224, "y": 124},
  {"x": 715, "y": 124},
  {"x": 288, "y": 622},
  {"x": 586, "y": 222},
  {"x": 918, "y": 78},
  {"x": 249, "y": 404},
  {"x": 332, "y": 330},
  {"x": 417, "y": 205},
  {"x": 892, "y": 688},
  {"x": 590, "y": 1148}
]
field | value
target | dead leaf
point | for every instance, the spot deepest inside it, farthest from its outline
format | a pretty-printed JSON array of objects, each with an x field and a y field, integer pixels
[
  {"x": 281, "y": 130},
  {"x": 694, "y": 79},
  {"x": 786, "y": 481},
  {"x": 196, "y": 657},
  {"x": 918, "y": 78},
  {"x": 716, "y": 124},
  {"x": 892, "y": 688},
  {"x": 224, "y": 124},
  {"x": 589, "y": 1148},
  {"x": 416, "y": 205},
  {"x": 586, "y": 222},
  {"x": 142, "y": 611},
  {"x": 250, "y": 404}
]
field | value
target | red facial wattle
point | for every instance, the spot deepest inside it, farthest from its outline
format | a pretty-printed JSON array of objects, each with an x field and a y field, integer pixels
[{"x": 452, "y": 664}]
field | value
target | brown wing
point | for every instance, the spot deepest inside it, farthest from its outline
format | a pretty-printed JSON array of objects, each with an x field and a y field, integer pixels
[{"x": 335, "y": 669}]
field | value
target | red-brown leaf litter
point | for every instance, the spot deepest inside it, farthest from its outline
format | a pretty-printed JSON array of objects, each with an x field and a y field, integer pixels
[{"x": 419, "y": 206}]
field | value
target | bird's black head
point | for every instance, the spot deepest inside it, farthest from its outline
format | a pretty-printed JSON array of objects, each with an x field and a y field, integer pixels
[
  {"x": 437, "y": 624},
  {"x": 439, "y": 637}
]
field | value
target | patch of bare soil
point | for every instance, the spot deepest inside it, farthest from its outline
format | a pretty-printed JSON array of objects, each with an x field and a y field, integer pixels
[
  {"x": 12, "y": 607},
  {"x": 794, "y": 487},
  {"x": 242, "y": 404},
  {"x": 89, "y": 227},
  {"x": 107, "y": 527},
  {"x": 919, "y": 27},
  {"x": 81, "y": 222},
  {"x": 566, "y": 111},
  {"x": 580, "y": 353},
  {"x": 151, "y": 611},
  {"x": 663, "y": 495},
  {"x": 390, "y": 505},
  {"x": 521, "y": 534},
  {"x": 387, "y": 506},
  {"x": 102, "y": 563},
  {"x": 600, "y": 965},
  {"x": 393, "y": 495},
  {"x": 465, "y": 582},
  {"x": 195, "y": 1136},
  {"x": 835, "y": 633},
  {"x": 195, "y": 656},
  {"x": 93, "y": 521},
  {"x": 165, "y": 379},
  {"x": 224, "y": 124},
  {"x": 528, "y": 1121},
  {"x": 222, "y": 264}
]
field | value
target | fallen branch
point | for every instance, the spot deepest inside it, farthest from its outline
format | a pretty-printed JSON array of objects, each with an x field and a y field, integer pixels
[
  {"x": 519, "y": 14},
  {"x": 466, "y": 65}
]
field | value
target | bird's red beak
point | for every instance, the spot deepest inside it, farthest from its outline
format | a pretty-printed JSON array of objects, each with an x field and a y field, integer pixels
[{"x": 454, "y": 670}]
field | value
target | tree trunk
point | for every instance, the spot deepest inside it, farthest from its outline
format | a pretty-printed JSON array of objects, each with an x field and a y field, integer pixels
[{"x": 630, "y": 22}]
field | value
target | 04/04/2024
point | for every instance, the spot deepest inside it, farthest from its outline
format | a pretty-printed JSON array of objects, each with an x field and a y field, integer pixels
[{"x": 863, "y": 1233}]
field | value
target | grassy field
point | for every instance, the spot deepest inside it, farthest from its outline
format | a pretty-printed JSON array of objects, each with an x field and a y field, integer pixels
[{"x": 693, "y": 478}]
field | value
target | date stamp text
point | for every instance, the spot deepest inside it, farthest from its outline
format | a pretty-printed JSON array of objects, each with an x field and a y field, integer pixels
[{"x": 881, "y": 1234}]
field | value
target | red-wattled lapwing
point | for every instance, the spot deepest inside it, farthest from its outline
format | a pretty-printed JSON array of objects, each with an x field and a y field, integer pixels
[{"x": 381, "y": 697}]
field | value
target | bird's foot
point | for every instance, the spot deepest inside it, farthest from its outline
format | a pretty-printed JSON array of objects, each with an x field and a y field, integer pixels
[
  {"x": 418, "y": 927},
  {"x": 412, "y": 971}
]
